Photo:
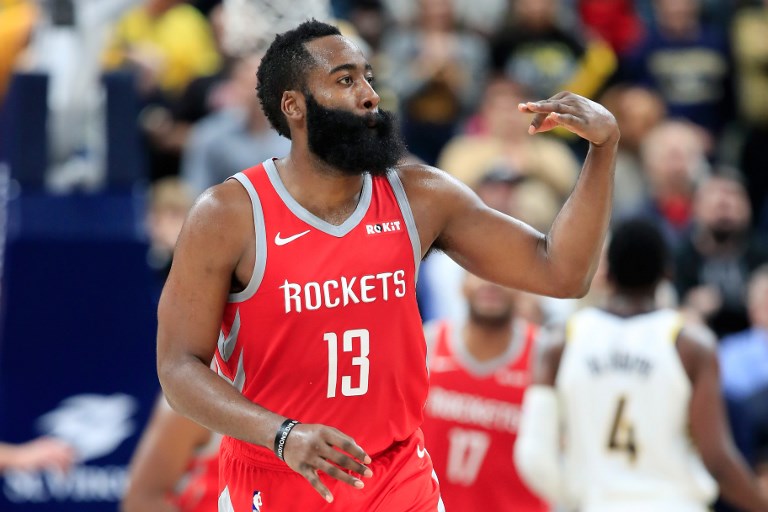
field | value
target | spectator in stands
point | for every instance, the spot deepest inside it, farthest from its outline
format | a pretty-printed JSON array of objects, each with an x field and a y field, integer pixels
[
  {"x": 233, "y": 139},
  {"x": 41, "y": 453},
  {"x": 546, "y": 56},
  {"x": 674, "y": 160},
  {"x": 688, "y": 62},
  {"x": 637, "y": 110},
  {"x": 481, "y": 16},
  {"x": 369, "y": 19},
  {"x": 744, "y": 365},
  {"x": 17, "y": 18},
  {"x": 501, "y": 140},
  {"x": 750, "y": 48},
  {"x": 169, "y": 201},
  {"x": 617, "y": 22},
  {"x": 167, "y": 44},
  {"x": 168, "y": 126},
  {"x": 441, "y": 72},
  {"x": 715, "y": 259}
]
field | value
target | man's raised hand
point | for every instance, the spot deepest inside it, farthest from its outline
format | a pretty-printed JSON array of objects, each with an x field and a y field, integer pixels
[{"x": 585, "y": 118}]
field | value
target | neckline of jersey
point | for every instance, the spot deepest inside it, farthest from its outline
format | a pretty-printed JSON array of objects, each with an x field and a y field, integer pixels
[
  {"x": 308, "y": 217},
  {"x": 487, "y": 368}
]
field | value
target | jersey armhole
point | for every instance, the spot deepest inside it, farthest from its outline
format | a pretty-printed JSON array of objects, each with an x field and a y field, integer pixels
[
  {"x": 568, "y": 331},
  {"x": 410, "y": 222},
  {"x": 434, "y": 331},
  {"x": 676, "y": 329},
  {"x": 260, "y": 263}
]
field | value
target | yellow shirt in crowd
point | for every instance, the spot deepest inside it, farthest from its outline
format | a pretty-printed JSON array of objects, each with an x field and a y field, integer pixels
[
  {"x": 17, "y": 17},
  {"x": 181, "y": 37}
]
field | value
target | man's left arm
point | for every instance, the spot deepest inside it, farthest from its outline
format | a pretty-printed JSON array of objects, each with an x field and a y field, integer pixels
[{"x": 504, "y": 250}]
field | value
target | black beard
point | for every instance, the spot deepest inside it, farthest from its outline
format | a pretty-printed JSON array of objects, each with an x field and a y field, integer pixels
[
  {"x": 493, "y": 322},
  {"x": 722, "y": 236},
  {"x": 351, "y": 143},
  {"x": 726, "y": 232}
]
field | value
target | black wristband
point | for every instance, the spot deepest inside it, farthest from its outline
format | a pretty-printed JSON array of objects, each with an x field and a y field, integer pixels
[{"x": 282, "y": 435}]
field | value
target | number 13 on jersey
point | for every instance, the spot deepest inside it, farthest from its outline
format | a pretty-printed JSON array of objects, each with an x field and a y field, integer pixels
[{"x": 350, "y": 339}]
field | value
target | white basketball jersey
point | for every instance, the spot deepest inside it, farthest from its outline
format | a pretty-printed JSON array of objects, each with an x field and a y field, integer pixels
[{"x": 624, "y": 398}]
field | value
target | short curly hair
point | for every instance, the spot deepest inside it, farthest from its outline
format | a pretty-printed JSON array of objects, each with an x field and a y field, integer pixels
[
  {"x": 638, "y": 255},
  {"x": 284, "y": 68}
]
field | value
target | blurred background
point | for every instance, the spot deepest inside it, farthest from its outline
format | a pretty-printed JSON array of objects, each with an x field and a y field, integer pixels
[{"x": 116, "y": 114}]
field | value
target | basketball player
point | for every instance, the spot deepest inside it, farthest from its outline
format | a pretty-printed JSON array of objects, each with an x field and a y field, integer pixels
[
  {"x": 175, "y": 466},
  {"x": 478, "y": 371},
  {"x": 639, "y": 395},
  {"x": 305, "y": 268}
]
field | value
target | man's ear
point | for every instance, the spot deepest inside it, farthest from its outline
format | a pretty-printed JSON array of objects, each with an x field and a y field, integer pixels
[{"x": 293, "y": 105}]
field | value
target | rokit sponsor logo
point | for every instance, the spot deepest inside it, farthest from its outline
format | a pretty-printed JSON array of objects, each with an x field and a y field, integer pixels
[{"x": 383, "y": 227}]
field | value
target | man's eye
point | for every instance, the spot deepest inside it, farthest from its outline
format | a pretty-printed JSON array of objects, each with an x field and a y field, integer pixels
[
  {"x": 371, "y": 80},
  {"x": 345, "y": 80}
]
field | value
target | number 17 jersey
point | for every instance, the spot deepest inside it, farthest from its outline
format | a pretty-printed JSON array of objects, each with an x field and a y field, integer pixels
[{"x": 328, "y": 330}]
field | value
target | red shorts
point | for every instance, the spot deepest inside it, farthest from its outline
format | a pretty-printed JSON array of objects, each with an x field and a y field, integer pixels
[{"x": 257, "y": 481}]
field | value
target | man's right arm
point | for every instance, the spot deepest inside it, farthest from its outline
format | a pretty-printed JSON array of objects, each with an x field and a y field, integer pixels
[
  {"x": 709, "y": 426},
  {"x": 212, "y": 248},
  {"x": 209, "y": 248}
]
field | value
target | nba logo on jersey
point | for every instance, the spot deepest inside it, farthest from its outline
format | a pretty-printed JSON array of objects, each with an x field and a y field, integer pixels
[{"x": 256, "y": 501}]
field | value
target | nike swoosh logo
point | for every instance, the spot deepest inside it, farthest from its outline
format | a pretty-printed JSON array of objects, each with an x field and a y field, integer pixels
[
  {"x": 283, "y": 241},
  {"x": 421, "y": 452}
]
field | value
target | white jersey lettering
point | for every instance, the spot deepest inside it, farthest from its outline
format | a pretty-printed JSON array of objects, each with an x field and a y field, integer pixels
[
  {"x": 344, "y": 291},
  {"x": 473, "y": 410}
]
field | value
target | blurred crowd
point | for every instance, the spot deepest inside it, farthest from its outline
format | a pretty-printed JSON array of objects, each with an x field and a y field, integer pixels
[{"x": 686, "y": 79}]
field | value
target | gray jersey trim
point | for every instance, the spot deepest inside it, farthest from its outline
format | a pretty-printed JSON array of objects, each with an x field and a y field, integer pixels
[
  {"x": 410, "y": 223},
  {"x": 225, "y": 502},
  {"x": 239, "y": 381},
  {"x": 314, "y": 221},
  {"x": 227, "y": 344},
  {"x": 486, "y": 368},
  {"x": 261, "y": 242}
]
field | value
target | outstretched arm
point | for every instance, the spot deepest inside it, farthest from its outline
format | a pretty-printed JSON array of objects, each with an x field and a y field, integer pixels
[
  {"x": 501, "y": 249},
  {"x": 43, "y": 452},
  {"x": 212, "y": 248},
  {"x": 709, "y": 426}
]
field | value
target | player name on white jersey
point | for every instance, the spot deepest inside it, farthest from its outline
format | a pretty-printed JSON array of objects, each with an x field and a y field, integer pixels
[
  {"x": 473, "y": 410},
  {"x": 618, "y": 361},
  {"x": 343, "y": 291}
]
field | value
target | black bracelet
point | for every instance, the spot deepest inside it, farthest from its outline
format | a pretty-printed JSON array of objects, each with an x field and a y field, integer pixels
[{"x": 282, "y": 435}]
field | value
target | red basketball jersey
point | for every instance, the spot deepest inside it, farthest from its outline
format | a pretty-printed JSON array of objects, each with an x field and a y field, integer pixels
[
  {"x": 471, "y": 421},
  {"x": 328, "y": 329},
  {"x": 201, "y": 490}
]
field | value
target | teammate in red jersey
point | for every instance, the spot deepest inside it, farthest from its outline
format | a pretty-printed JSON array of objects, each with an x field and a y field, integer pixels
[
  {"x": 175, "y": 466},
  {"x": 305, "y": 269},
  {"x": 478, "y": 371}
]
